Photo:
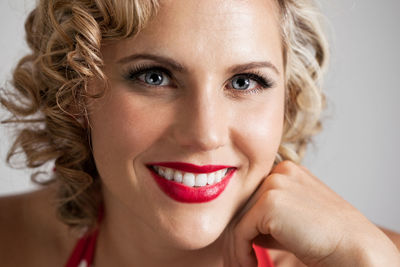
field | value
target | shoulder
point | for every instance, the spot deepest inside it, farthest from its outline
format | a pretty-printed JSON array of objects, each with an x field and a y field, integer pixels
[
  {"x": 29, "y": 228},
  {"x": 393, "y": 236}
]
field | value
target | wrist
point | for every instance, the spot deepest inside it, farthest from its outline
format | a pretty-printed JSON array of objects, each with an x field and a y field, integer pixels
[
  {"x": 378, "y": 252},
  {"x": 374, "y": 250}
]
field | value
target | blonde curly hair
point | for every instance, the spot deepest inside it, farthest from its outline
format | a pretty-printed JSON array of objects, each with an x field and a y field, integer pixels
[{"x": 50, "y": 88}]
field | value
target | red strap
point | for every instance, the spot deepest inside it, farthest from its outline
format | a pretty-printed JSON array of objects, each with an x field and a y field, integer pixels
[
  {"x": 263, "y": 258},
  {"x": 78, "y": 253},
  {"x": 84, "y": 250}
]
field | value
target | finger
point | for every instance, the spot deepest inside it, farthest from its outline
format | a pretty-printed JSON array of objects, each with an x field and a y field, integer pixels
[
  {"x": 252, "y": 200},
  {"x": 286, "y": 167},
  {"x": 264, "y": 186}
]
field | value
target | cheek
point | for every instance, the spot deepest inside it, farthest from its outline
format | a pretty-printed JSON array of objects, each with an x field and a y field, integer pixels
[
  {"x": 123, "y": 128},
  {"x": 257, "y": 136},
  {"x": 259, "y": 133}
]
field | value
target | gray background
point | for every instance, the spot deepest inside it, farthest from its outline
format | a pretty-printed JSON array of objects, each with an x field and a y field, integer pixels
[{"x": 357, "y": 153}]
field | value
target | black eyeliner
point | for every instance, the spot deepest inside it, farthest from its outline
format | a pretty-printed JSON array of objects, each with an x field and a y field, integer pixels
[
  {"x": 133, "y": 72},
  {"x": 265, "y": 82}
]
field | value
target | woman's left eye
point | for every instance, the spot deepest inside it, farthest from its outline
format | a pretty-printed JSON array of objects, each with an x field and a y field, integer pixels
[
  {"x": 249, "y": 82},
  {"x": 242, "y": 82}
]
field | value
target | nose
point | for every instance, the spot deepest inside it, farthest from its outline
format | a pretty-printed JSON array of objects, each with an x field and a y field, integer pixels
[{"x": 202, "y": 121}]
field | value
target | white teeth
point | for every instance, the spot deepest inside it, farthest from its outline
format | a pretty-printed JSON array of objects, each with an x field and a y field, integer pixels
[
  {"x": 211, "y": 178},
  {"x": 188, "y": 179},
  {"x": 178, "y": 177},
  {"x": 169, "y": 174},
  {"x": 218, "y": 176},
  {"x": 201, "y": 179},
  {"x": 191, "y": 179}
]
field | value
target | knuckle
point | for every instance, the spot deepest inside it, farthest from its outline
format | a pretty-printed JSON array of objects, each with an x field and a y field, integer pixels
[
  {"x": 271, "y": 199},
  {"x": 276, "y": 181},
  {"x": 271, "y": 202},
  {"x": 274, "y": 227},
  {"x": 286, "y": 167}
]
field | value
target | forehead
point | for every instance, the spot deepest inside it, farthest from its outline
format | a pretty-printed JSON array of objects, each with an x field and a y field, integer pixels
[
  {"x": 211, "y": 30},
  {"x": 219, "y": 15}
]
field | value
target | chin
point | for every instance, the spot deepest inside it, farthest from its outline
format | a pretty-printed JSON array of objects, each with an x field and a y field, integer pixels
[
  {"x": 196, "y": 235},
  {"x": 195, "y": 241}
]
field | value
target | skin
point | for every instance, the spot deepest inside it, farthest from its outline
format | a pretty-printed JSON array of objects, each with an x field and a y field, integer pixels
[{"x": 199, "y": 118}]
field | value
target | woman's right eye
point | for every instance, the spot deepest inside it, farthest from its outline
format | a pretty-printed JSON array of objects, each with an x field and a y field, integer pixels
[
  {"x": 155, "y": 78},
  {"x": 150, "y": 77}
]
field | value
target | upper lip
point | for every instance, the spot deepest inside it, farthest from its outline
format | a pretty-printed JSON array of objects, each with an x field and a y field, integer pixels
[{"x": 189, "y": 167}]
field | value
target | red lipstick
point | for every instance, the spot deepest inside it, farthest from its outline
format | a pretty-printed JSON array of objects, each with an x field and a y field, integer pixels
[
  {"x": 188, "y": 194},
  {"x": 187, "y": 167}
]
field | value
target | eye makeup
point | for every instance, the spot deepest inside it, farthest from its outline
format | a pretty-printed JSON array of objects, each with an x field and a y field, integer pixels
[
  {"x": 263, "y": 82},
  {"x": 134, "y": 74}
]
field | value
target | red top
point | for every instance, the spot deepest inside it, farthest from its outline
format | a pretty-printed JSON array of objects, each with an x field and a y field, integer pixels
[{"x": 83, "y": 253}]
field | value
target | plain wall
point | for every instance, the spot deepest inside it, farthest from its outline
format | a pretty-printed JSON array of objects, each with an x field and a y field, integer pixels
[{"x": 357, "y": 153}]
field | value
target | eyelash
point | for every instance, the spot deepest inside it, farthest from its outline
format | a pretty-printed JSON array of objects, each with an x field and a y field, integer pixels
[
  {"x": 133, "y": 73},
  {"x": 262, "y": 80}
]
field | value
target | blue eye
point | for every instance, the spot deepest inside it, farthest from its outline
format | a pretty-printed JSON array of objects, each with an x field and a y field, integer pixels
[
  {"x": 154, "y": 77},
  {"x": 149, "y": 76},
  {"x": 250, "y": 83},
  {"x": 241, "y": 82}
]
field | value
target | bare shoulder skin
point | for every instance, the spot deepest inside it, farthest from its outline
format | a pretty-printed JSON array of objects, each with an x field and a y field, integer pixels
[
  {"x": 395, "y": 237},
  {"x": 30, "y": 233}
]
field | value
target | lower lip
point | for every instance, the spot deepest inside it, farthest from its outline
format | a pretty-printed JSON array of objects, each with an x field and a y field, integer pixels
[{"x": 187, "y": 194}]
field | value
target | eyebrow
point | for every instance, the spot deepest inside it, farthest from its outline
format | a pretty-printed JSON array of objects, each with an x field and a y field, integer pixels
[
  {"x": 180, "y": 68},
  {"x": 254, "y": 65},
  {"x": 164, "y": 60}
]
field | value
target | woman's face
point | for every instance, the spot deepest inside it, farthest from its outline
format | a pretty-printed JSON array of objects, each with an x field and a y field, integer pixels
[{"x": 201, "y": 84}]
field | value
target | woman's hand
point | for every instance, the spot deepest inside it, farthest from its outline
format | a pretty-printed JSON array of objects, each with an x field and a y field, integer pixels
[{"x": 293, "y": 210}]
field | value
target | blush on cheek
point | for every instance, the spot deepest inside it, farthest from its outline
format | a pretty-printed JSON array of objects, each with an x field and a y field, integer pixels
[
  {"x": 122, "y": 129},
  {"x": 129, "y": 124},
  {"x": 260, "y": 135}
]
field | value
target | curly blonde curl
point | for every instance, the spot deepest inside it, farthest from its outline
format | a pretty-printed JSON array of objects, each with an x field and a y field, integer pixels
[{"x": 50, "y": 88}]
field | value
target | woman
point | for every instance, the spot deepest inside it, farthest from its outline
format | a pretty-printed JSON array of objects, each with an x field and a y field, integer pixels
[{"x": 176, "y": 128}]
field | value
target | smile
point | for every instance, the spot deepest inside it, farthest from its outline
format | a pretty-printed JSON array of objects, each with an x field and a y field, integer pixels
[
  {"x": 190, "y": 183},
  {"x": 191, "y": 179}
]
